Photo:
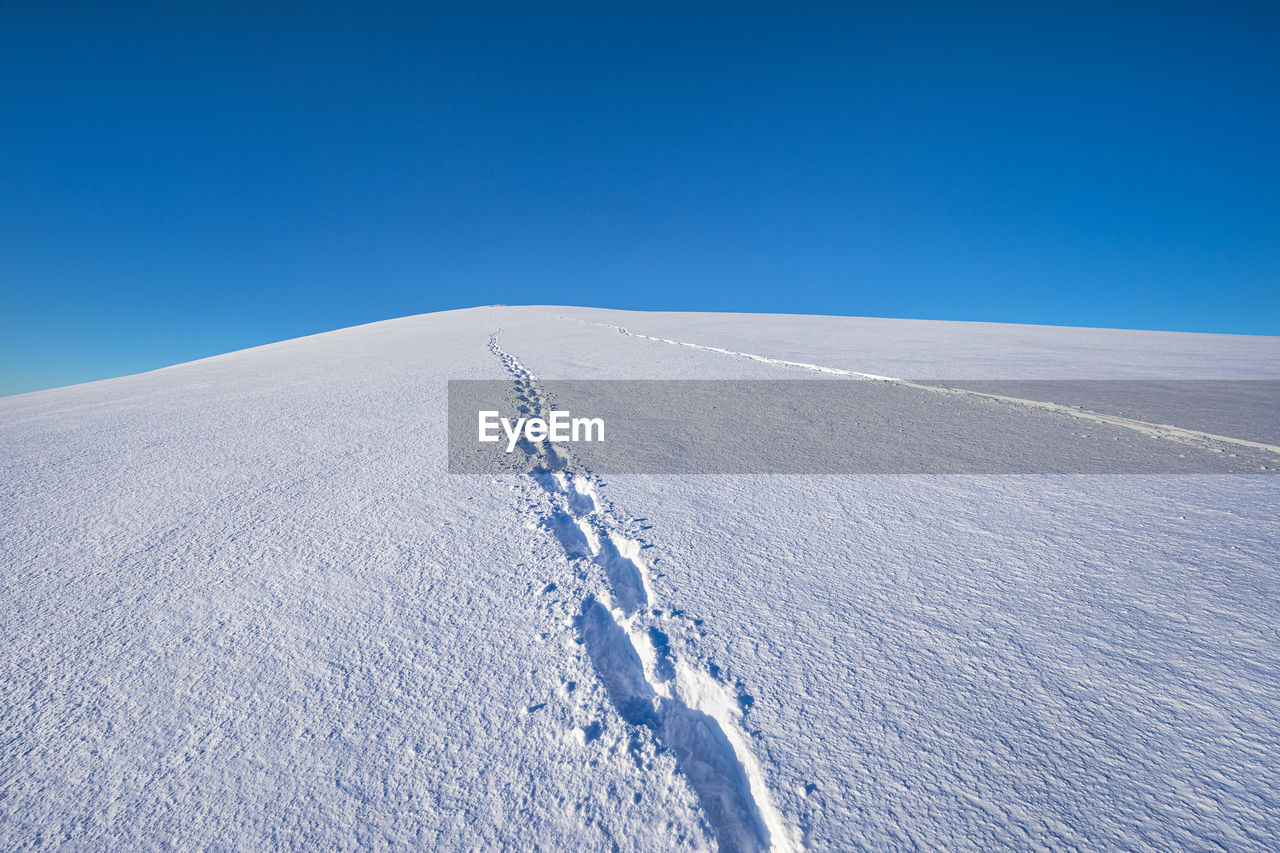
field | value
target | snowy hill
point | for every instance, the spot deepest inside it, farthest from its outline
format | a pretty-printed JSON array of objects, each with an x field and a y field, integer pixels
[{"x": 249, "y": 607}]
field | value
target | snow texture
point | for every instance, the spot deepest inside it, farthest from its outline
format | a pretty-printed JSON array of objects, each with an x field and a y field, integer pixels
[{"x": 248, "y": 608}]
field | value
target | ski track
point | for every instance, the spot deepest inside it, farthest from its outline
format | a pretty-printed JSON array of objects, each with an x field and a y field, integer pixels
[
  {"x": 687, "y": 710},
  {"x": 1196, "y": 438}
]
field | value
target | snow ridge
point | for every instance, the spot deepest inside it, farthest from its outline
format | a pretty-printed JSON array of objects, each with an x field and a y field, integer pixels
[
  {"x": 687, "y": 710},
  {"x": 1196, "y": 438}
]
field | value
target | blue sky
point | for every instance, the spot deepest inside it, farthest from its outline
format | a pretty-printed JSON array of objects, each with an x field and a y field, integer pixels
[{"x": 179, "y": 180}]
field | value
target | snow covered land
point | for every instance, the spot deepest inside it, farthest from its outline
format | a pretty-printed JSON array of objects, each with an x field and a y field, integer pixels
[{"x": 248, "y": 607}]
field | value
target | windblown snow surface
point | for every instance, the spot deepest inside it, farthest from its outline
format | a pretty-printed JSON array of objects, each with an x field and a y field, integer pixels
[{"x": 246, "y": 607}]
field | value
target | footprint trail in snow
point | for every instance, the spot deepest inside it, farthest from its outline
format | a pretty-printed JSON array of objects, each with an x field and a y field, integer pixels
[
  {"x": 687, "y": 710},
  {"x": 1169, "y": 432}
]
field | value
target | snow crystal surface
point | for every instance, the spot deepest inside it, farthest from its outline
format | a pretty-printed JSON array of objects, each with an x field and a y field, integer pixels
[{"x": 247, "y": 607}]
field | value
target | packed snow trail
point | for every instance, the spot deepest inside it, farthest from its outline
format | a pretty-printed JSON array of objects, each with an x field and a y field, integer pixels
[
  {"x": 686, "y": 709},
  {"x": 1195, "y": 438}
]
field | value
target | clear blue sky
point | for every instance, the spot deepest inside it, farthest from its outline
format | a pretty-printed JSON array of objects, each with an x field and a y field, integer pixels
[{"x": 183, "y": 179}]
